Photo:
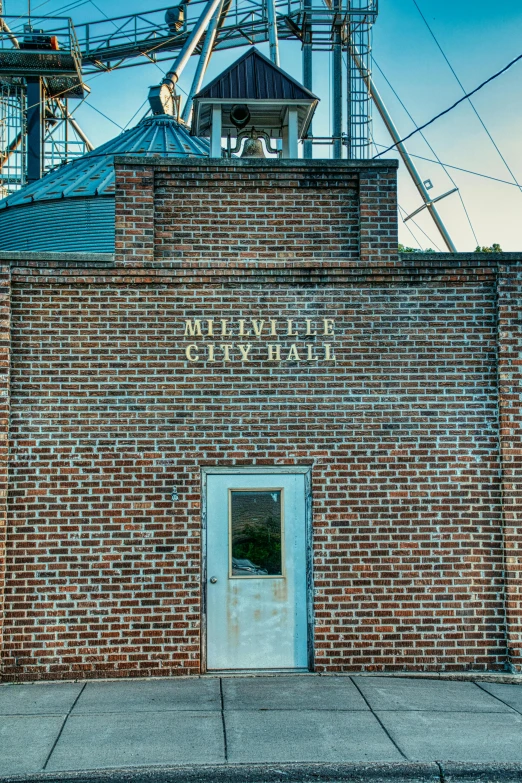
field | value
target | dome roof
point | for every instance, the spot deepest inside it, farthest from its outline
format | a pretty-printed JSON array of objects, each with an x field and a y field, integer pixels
[{"x": 93, "y": 174}]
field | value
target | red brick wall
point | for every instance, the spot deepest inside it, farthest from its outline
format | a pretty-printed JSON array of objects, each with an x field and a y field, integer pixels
[
  {"x": 5, "y": 317},
  {"x": 108, "y": 416},
  {"x": 402, "y": 430},
  {"x": 510, "y": 387},
  {"x": 314, "y": 210}
]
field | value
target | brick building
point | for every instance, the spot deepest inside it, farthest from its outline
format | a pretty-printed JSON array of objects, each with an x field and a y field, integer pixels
[{"x": 255, "y": 437}]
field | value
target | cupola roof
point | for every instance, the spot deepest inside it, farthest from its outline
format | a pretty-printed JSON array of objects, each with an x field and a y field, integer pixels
[{"x": 265, "y": 89}]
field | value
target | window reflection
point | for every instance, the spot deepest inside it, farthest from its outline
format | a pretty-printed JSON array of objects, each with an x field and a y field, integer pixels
[{"x": 256, "y": 524}]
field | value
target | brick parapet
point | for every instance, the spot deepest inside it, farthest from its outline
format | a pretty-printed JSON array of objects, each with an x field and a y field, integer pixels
[
  {"x": 378, "y": 224},
  {"x": 134, "y": 213},
  {"x": 255, "y": 209}
]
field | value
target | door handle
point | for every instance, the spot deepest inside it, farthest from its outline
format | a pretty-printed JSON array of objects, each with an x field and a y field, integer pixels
[{"x": 213, "y": 580}]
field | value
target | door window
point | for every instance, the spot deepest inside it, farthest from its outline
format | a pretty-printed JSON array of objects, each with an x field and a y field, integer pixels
[{"x": 256, "y": 533}]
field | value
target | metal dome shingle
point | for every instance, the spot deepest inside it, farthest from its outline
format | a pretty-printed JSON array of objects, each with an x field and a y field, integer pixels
[{"x": 93, "y": 174}]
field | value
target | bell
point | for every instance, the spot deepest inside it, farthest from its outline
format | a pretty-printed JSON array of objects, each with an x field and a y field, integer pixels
[{"x": 253, "y": 148}]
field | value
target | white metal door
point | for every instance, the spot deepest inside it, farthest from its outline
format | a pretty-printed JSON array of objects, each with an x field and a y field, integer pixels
[{"x": 256, "y": 571}]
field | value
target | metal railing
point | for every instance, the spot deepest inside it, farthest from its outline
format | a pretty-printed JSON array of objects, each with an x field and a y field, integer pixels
[
  {"x": 22, "y": 28},
  {"x": 12, "y": 136},
  {"x": 107, "y": 43}
]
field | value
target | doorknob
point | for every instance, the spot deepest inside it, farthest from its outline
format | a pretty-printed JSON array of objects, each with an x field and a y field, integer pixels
[{"x": 213, "y": 580}]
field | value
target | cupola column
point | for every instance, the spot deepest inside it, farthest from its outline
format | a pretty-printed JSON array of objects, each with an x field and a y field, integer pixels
[
  {"x": 215, "y": 134},
  {"x": 291, "y": 135}
]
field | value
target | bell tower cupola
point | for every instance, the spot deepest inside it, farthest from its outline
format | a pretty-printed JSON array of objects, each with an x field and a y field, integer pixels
[{"x": 258, "y": 108}]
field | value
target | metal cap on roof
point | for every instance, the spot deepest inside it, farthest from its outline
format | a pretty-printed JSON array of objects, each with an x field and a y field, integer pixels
[
  {"x": 254, "y": 77},
  {"x": 93, "y": 174}
]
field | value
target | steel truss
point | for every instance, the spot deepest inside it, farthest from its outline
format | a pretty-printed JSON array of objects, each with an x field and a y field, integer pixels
[
  {"x": 62, "y": 139},
  {"x": 40, "y": 72},
  {"x": 12, "y": 136},
  {"x": 110, "y": 43},
  {"x": 136, "y": 39}
]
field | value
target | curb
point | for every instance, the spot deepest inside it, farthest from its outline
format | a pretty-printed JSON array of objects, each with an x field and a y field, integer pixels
[
  {"x": 393, "y": 772},
  {"x": 459, "y": 772},
  {"x": 503, "y": 678}
]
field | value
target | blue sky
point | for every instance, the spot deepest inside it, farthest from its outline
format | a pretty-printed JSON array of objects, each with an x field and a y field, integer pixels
[{"x": 478, "y": 36}]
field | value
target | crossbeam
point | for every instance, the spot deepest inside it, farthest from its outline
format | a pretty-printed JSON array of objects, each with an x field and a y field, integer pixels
[{"x": 113, "y": 42}]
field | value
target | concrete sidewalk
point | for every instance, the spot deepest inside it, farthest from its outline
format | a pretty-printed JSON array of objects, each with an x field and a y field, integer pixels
[{"x": 262, "y": 729}]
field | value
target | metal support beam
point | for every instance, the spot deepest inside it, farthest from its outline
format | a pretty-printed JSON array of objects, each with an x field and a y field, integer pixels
[
  {"x": 35, "y": 111},
  {"x": 403, "y": 152},
  {"x": 425, "y": 206},
  {"x": 307, "y": 70},
  {"x": 204, "y": 59},
  {"x": 161, "y": 96},
  {"x": 4, "y": 157},
  {"x": 349, "y": 108},
  {"x": 5, "y": 27},
  {"x": 74, "y": 125},
  {"x": 337, "y": 85},
  {"x": 272, "y": 32}
]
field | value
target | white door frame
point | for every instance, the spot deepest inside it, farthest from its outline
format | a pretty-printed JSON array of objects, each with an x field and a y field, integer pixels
[{"x": 305, "y": 470}]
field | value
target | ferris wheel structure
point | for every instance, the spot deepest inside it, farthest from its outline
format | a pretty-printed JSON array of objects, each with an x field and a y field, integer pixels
[{"x": 44, "y": 61}]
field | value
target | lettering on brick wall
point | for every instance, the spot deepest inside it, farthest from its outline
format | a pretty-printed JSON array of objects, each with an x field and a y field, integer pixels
[{"x": 259, "y": 339}]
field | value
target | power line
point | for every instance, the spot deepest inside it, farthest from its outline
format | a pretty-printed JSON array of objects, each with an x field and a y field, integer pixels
[
  {"x": 468, "y": 217},
  {"x": 116, "y": 26},
  {"x": 431, "y": 148},
  {"x": 453, "y": 106},
  {"x": 420, "y": 229},
  {"x": 104, "y": 115},
  {"x": 464, "y": 90},
  {"x": 74, "y": 4},
  {"x": 403, "y": 211},
  {"x": 408, "y": 227},
  {"x": 68, "y": 7},
  {"x": 458, "y": 168},
  {"x": 135, "y": 113}
]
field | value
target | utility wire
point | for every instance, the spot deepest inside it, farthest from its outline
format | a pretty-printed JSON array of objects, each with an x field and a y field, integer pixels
[
  {"x": 464, "y": 91},
  {"x": 431, "y": 148},
  {"x": 453, "y": 106},
  {"x": 116, "y": 26},
  {"x": 74, "y": 4},
  {"x": 458, "y": 168},
  {"x": 420, "y": 229},
  {"x": 68, "y": 7},
  {"x": 144, "y": 53},
  {"x": 425, "y": 234},
  {"x": 104, "y": 115},
  {"x": 135, "y": 113},
  {"x": 411, "y": 232},
  {"x": 402, "y": 212}
]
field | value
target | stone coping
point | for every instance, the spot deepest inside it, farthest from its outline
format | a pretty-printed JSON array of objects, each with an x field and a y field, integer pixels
[
  {"x": 480, "y": 259},
  {"x": 315, "y": 163}
]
